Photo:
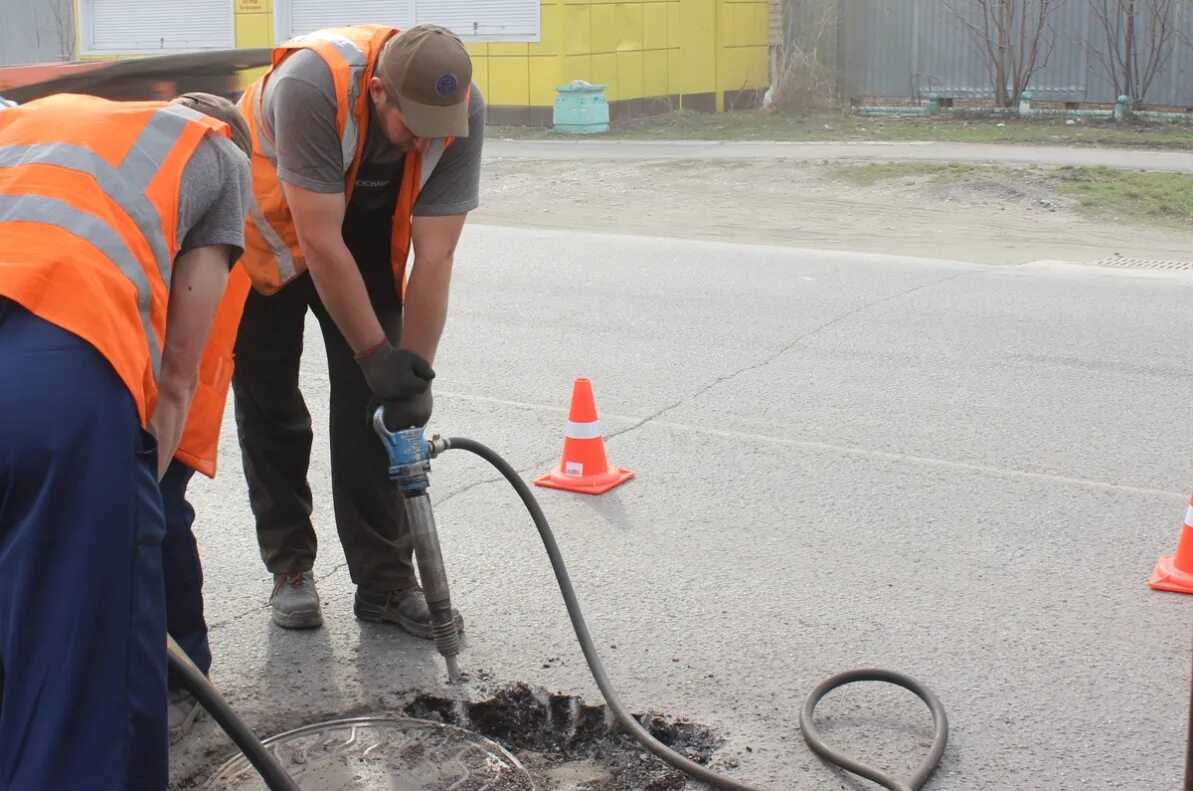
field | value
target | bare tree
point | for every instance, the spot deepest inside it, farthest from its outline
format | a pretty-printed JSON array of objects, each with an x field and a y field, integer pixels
[
  {"x": 1138, "y": 36},
  {"x": 806, "y": 70},
  {"x": 64, "y": 25},
  {"x": 1015, "y": 37}
]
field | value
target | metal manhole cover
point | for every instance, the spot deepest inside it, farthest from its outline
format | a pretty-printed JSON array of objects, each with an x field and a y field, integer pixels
[
  {"x": 1125, "y": 262},
  {"x": 382, "y": 754}
]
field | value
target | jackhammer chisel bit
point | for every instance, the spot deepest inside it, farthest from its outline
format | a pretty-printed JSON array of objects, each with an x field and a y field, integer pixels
[{"x": 409, "y": 465}]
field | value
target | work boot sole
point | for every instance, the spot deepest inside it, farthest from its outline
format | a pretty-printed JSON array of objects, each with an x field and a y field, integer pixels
[
  {"x": 299, "y": 619},
  {"x": 376, "y": 614}
]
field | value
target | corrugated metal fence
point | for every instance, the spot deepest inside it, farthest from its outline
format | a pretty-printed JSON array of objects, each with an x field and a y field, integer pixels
[
  {"x": 905, "y": 49},
  {"x": 35, "y": 31}
]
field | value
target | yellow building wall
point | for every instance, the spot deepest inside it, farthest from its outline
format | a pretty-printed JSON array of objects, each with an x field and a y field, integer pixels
[
  {"x": 683, "y": 50},
  {"x": 639, "y": 48}
]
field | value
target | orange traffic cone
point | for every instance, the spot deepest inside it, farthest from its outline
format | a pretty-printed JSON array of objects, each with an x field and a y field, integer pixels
[
  {"x": 1175, "y": 572},
  {"x": 584, "y": 467}
]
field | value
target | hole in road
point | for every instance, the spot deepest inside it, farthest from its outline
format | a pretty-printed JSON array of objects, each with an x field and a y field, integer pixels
[{"x": 567, "y": 744}]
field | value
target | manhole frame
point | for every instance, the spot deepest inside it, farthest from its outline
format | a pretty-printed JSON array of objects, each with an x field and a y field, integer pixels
[{"x": 239, "y": 762}]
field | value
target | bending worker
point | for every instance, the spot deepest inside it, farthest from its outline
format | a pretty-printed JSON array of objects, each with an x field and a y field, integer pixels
[
  {"x": 119, "y": 222},
  {"x": 367, "y": 144}
]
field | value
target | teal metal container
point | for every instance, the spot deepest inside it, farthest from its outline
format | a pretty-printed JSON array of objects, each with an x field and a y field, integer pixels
[{"x": 581, "y": 109}]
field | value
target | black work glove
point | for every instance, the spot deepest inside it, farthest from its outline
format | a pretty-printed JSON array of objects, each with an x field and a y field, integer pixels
[
  {"x": 402, "y": 413},
  {"x": 401, "y": 382}
]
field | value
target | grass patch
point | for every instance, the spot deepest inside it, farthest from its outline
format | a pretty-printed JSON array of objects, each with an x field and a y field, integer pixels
[
  {"x": 1155, "y": 198},
  {"x": 835, "y": 126},
  {"x": 871, "y": 173},
  {"x": 1158, "y": 199}
]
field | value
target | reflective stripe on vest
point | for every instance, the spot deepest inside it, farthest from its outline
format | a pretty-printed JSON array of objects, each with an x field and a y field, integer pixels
[{"x": 124, "y": 185}]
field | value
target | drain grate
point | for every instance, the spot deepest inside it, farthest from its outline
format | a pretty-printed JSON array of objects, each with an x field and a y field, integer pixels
[{"x": 1127, "y": 262}]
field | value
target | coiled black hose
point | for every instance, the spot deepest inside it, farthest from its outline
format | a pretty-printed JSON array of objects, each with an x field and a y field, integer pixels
[{"x": 811, "y": 735}]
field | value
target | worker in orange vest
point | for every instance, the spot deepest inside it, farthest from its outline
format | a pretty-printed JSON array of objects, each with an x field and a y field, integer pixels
[
  {"x": 366, "y": 147},
  {"x": 119, "y": 222}
]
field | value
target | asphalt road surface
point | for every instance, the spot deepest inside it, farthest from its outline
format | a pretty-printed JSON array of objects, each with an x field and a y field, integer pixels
[{"x": 962, "y": 472}]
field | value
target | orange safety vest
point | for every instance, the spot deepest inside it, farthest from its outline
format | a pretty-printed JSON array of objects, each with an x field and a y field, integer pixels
[
  {"x": 272, "y": 256},
  {"x": 89, "y": 221}
]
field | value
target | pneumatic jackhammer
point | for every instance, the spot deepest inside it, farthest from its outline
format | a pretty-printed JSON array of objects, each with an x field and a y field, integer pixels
[{"x": 409, "y": 464}]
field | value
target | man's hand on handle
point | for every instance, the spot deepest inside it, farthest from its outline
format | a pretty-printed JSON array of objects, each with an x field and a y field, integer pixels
[{"x": 401, "y": 383}]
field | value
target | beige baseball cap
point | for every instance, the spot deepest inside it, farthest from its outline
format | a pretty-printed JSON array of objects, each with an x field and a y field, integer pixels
[{"x": 428, "y": 71}]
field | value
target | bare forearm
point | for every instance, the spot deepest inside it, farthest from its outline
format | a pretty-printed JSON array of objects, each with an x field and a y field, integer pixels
[
  {"x": 425, "y": 311},
  {"x": 342, "y": 290},
  {"x": 169, "y": 418}
]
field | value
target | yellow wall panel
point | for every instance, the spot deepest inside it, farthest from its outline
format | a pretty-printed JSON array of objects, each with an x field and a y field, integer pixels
[
  {"x": 507, "y": 50},
  {"x": 509, "y": 82},
  {"x": 254, "y": 30},
  {"x": 480, "y": 75},
  {"x": 674, "y": 71},
  {"x": 604, "y": 72},
  {"x": 477, "y": 50},
  {"x": 654, "y": 73},
  {"x": 252, "y": 7},
  {"x": 604, "y": 28},
  {"x": 550, "y": 33},
  {"x": 760, "y": 34},
  {"x": 724, "y": 24},
  {"x": 629, "y": 75},
  {"x": 577, "y": 29},
  {"x": 544, "y": 77},
  {"x": 628, "y": 18},
  {"x": 674, "y": 25},
  {"x": 654, "y": 25},
  {"x": 575, "y": 67},
  {"x": 698, "y": 45}
]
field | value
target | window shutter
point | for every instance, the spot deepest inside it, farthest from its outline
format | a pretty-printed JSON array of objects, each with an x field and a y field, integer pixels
[{"x": 139, "y": 26}]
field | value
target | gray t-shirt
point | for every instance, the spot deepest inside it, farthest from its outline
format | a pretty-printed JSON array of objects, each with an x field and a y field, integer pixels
[
  {"x": 299, "y": 108},
  {"x": 216, "y": 189}
]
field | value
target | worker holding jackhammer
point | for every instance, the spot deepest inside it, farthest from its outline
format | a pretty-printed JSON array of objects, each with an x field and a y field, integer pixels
[
  {"x": 119, "y": 222},
  {"x": 366, "y": 147}
]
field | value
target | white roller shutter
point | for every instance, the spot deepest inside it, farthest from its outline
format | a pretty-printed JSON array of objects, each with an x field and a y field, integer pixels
[
  {"x": 140, "y": 26},
  {"x": 295, "y": 17},
  {"x": 483, "y": 20},
  {"x": 472, "y": 20}
]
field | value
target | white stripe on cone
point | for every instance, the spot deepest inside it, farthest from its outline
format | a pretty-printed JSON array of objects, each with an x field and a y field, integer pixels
[{"x": 584, "y": 430}]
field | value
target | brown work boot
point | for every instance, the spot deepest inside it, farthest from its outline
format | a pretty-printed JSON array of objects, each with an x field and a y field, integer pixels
[
  {"x": 295, "y": 601},
  {"x": 405, "y": 607}
]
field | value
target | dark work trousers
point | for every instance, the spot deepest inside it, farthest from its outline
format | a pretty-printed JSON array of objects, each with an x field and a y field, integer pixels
[
  {"x": 82, "y": 614},
  {"x": 182, "y": 571},
  {"x": 275, "y": 430}
]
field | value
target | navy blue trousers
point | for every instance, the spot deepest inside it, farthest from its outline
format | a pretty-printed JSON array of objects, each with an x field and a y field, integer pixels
[
  {"x": 182, "y": 571},
  {"x": 82, "y": 613}
]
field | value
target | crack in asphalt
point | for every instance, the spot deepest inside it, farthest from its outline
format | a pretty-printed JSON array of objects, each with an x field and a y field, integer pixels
[{"x": 788, "y": 347}]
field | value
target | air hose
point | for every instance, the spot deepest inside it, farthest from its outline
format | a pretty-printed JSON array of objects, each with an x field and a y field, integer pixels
[
  {"x": 811, "y": 734},
  {"x": 210, "y": 698},
  {"x": 277, "y": 779}
]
